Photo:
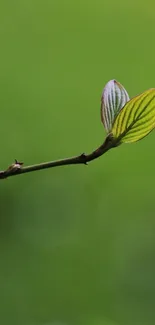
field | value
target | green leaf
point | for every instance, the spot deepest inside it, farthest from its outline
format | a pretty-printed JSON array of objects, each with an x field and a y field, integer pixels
[
  {"x": 114, "y": 97},
  {"x": 136, "y": 119}
]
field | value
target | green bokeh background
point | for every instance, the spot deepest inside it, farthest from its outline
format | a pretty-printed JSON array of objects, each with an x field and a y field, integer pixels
[{"x": 77, "y": 243}]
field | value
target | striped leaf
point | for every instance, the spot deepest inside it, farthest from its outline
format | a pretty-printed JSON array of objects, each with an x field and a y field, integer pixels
[
  {"x": 136, "y": 119},
  {"x": 114, "y": 97}
]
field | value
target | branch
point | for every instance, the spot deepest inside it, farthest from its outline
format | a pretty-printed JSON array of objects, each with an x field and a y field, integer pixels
[{"x": 17, "y": 169}]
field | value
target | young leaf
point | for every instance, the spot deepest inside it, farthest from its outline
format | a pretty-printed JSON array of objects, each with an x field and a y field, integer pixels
[
  {"x": 136, "y": 119},
  {"x": 114, "y": 97}
]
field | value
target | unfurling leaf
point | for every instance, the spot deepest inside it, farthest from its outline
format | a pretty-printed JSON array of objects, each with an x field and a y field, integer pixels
[
  {"x": 114, "y": 97},
  {"x": 136, "y": 119}
]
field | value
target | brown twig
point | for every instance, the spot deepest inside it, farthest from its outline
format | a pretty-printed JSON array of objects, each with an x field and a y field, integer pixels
[{"x": 17, "y": 169}]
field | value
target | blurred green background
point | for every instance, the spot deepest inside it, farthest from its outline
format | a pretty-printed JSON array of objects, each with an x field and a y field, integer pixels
[{"x": 77, "y": 243}]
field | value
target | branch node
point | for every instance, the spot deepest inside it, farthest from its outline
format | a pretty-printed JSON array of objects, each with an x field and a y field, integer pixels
[
  {"x": 83, "y": 159},
  {"x": 18, "y": 162}
]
